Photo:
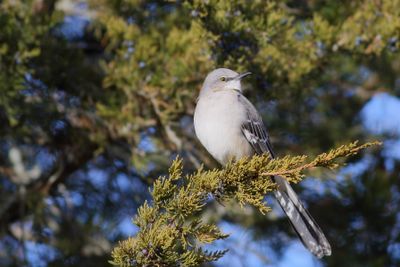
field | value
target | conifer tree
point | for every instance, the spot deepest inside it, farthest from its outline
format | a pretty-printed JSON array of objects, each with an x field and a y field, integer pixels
[{"x": 97, "y": 98}]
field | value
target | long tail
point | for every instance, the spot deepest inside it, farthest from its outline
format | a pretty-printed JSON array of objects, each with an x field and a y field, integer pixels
[{"x": 306, "y": 228}]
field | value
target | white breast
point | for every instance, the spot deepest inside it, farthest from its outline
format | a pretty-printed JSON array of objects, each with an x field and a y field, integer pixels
[{"x": 217, "y": 121}]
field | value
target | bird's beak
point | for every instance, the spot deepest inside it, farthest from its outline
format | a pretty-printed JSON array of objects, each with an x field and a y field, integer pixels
[{"x": 241, "y": 76}]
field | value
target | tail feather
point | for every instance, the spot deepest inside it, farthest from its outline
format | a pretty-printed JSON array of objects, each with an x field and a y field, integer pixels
[{"x": 305, "y": 226}]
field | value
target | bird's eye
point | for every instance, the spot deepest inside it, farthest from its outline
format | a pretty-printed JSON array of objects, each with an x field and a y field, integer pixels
[{"x": 223, "y": 79}]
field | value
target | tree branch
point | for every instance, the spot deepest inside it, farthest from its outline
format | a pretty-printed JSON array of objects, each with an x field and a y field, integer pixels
[{"x": 170, "y": 231}]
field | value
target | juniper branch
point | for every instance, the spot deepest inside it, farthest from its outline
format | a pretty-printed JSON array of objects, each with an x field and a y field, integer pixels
[
  {"x": 170, "y": 230},
  {"x": 293, "y": 166}
]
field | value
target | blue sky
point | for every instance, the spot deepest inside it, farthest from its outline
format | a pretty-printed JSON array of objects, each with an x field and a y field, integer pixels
[{"x": 380, "y": 115}]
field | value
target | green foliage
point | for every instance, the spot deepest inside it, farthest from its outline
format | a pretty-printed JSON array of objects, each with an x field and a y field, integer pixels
[
  {"x": 97, "y": 99},
  {"x": 20, "y": 39},
  {"x": 170, "y": 230},
  {"x": 155, "y": 65}
]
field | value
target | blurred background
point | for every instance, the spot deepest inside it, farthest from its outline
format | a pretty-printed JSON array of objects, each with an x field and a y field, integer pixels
[{"x": 97, "y": 98}]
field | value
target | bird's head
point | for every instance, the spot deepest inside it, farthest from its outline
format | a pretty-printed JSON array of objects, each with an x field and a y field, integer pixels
[{"x": 222, "y": 79}]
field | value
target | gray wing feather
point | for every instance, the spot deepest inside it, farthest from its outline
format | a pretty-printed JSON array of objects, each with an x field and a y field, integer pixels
[{"x": 305, "y": 226}]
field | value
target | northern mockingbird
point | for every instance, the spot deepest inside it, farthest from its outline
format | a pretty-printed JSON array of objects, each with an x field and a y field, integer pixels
[{"x": 229, "y": 127}]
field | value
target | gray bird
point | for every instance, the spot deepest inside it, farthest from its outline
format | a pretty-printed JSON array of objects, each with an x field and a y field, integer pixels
[{"x": 229, "y": 127}]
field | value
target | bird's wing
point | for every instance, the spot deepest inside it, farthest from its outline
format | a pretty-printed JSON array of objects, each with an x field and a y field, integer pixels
[
  {"x": 305, "y": 226},
  {"x": 254, "y": 130}
]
